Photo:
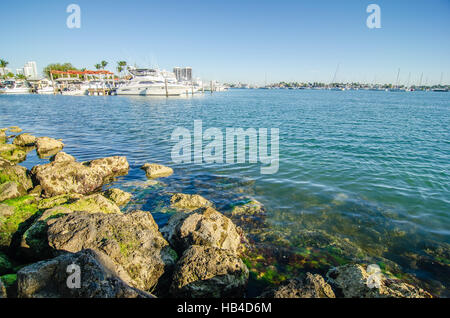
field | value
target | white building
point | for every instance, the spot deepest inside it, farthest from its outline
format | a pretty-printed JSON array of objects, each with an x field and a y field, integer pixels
[
  {"x": 30, "y": 70},
  {"x": 183, "y": 74}
]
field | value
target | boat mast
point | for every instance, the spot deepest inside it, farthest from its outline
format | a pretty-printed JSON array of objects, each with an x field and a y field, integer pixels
[
  {"x": 398, "y": 74},
  {"x": 335, "y": 74}
]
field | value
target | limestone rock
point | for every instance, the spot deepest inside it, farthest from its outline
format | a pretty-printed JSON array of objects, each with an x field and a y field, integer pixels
[
  {"x": 46, "y": 146},
  {"x": 206, "y": 227},
  {"x": 353, "y": 281},
  {"x": 62, "y": 157},
  {"x": 118, "y": 196},
  {"x": 250, "y": 207},
  {"x": 131, "y": 240},
  {"x": 209, "y": 272},
  {"x": 99, "y": 278},
  {"x": 189, "y": 201},
  {"x": 311, "y": 286},
  {"x": 15, "y": 129},
  {"x": 11, "y": 190},
  {"x": 64, "y": 177},
  {"x": 12, "y": 153},
  {"x": 24, "y": 140},
  {"x": 18, "y": 174},
  {"x": 153, "y": 170}
]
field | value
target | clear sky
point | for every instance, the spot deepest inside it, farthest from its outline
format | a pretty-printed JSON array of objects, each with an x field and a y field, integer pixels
[{"x": 237, "y": 40}]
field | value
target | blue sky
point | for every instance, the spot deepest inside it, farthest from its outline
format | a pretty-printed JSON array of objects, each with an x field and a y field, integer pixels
[{"x": 237, "y": 40}]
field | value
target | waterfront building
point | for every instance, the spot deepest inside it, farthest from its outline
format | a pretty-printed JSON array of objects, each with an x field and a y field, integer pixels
[{"x": 30, "y": 70}]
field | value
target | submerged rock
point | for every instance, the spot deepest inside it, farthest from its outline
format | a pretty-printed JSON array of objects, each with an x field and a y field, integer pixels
[
  {"x": 11, "y": 190},
  {"x": 153, "y": 170},
  {"x": 249, "y": 207},
  {"x": 310, "y": 286},
  {"x": 189, "y": 201},
  {"x": 15, "y": 129},
  {"x": 64, "y": 177},
  {"x": 24, "y": 140},
  {"x": 206, "y": 227},
  {"x": 99, "y": 278},
  {"x": 209, "y": 272},
  {"x": 131, "y": 240},
  {"x": 353, "y": 281},
  {"x": 118, "y": 196},
  {"x": 46, "y": 146}
]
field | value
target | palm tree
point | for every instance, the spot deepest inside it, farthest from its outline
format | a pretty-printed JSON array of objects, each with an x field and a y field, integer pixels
[
  {"x": 3, "y": 65},
  {"x": 121, "y": 66},
  {"x": 103, "y": 63},
  {"x": 98, "y": 66}
]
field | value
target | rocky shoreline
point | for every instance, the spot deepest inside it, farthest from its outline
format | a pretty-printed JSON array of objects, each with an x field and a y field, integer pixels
[{"x": 57, "y": 215}]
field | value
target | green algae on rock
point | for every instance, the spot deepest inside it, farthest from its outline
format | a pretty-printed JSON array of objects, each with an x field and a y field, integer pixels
[
  {"x": 24, "y": 208},
  {"x": 189, "y": 201}
]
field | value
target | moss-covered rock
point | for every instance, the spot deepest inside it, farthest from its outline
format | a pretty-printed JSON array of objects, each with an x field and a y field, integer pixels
[
  {"x": 6, "y": 266},
  {"x": 24, "y": 208},
  {"x": 11, "y": 190},
  {"x": 118, "y": 196},
  {"x": 18, "y": 174},
  {"x": 9, "y": 285},
  {"x": 189, "y": 201},
  {"x": 12, "y": 153}
]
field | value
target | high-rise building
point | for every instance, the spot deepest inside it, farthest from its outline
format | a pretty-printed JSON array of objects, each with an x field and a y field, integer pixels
[
  {"x": 177, "y": 72},
  {"x": 186, "y": 73},
  {"x": 30, "y": 70}
]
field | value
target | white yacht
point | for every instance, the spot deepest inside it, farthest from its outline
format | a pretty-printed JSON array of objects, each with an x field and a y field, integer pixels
[
  {"x": 15, "y": 87},
  {"x": 150, "y": 82},
  {"x": 45, "y": 88}
]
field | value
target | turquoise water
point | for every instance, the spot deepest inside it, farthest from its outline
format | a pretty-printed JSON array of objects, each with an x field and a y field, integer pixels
[{"x": 366, "y": 171}]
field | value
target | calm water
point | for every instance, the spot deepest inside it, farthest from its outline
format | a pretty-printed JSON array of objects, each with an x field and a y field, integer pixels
[{"x": 368, "y": 168}]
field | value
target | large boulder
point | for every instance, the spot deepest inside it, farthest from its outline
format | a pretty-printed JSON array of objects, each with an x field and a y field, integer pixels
[
  {"x": 33, "y": 243},
  {"x": 209, "y": 272},
  {"x": 46, "y": 146},
  {"x": 118, "y": 196},
  {"x": 99, "y": 277},
  {"x": 24, "y": 140},
  {"x": 153, "y": 170},
  {"x": 189, "y": 201},
  {"x": 11, "y": 190},
  {"x": 61, "y": 177},
  {"x": 206, "y": 227},
  {"x": 131, "y": 240},
  {"x": 353, "y": 281},
  {"x": 310, "y": 286}
]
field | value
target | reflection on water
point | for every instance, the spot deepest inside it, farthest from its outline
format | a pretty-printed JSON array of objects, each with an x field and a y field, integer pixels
[{"x": 363, "y": 177}]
